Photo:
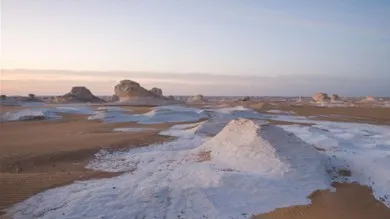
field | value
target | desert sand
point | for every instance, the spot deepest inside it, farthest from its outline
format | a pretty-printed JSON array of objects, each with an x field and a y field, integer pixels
[
  {"x": 350, "y": 201},
  {"x": 38, "y": 155}
]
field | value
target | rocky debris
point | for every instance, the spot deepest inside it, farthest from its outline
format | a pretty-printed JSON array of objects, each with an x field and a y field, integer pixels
[
  {"x": 334, "y": 97},
  {"x": 321, "y": 97},
  {"x": 157, "y": 91},
  {"x": 79, "y": 94}
]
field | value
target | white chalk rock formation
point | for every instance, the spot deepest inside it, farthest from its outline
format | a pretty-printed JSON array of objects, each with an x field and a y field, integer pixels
[{"x": 132, "y": 93}]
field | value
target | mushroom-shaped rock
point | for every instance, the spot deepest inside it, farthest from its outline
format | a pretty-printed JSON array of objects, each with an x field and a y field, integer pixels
[
  {"x": 157, "y": 91},
  {"x": 321, "y": 97}
]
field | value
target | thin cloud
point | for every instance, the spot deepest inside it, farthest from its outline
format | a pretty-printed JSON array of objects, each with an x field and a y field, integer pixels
[{"x": 59, "y": 82}]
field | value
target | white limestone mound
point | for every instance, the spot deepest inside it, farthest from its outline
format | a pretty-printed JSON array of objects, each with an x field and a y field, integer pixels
[
  {"x": 252, "y": 169},
  {"x": 250, "y": 146}
]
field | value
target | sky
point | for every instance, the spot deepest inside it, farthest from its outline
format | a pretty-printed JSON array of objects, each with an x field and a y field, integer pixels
[{"x": 218, "y": 47}]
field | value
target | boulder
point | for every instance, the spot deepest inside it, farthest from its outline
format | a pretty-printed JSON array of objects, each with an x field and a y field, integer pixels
[
  {"x": 157, "y": 91},
  {"x": 321, "y": 97},
  {"x": 79, "y": 94}
]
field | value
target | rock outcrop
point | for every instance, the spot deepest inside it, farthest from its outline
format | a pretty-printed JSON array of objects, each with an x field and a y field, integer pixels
[
  {"x": 132, "y": 93},
  {"x": 334, "y": 97},
  {"x": 157, "y": 91},
  {"x": 127, "y": 89},
  {"x": 321, "y": 97},
  {"x": 79, "y": 95}
]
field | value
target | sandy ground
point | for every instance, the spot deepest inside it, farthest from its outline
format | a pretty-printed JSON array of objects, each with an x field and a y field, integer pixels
[
  {"x": 350, "y": 201},
  {"x": 361, "y": 114},
  {"x": 38, "y": 155}
]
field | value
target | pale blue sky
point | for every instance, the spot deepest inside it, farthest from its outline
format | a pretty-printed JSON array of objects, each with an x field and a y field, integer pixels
[{"x": 235, "y": 37}]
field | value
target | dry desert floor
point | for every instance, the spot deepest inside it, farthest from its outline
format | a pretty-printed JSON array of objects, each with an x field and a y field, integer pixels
[{"x": 38, "y": 155}]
